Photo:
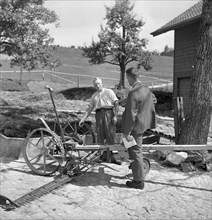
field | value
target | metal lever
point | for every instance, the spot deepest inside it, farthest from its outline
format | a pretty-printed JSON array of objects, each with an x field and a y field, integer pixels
[
  {"x": 49, "y": 88},
  {"x": 55, "y": 110}
]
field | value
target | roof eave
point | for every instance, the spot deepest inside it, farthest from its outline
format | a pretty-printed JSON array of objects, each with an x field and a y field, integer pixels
[{"x": 175, "y": 26}]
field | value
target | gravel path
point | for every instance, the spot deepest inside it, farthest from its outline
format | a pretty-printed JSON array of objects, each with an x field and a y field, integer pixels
[{"x": 101, "y": 194}]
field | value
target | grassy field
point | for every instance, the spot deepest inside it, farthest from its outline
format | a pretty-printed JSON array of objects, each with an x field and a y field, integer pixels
[{"x": 74, "y": 63}]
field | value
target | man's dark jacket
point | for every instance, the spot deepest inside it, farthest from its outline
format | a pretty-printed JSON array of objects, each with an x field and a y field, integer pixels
[{"x": 139, "y": 114}]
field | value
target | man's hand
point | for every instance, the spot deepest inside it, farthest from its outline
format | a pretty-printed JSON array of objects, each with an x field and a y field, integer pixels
[
  {"x": 81, "y": 123},
  {"x": 123, "y": 102},
  {"x": 128, "y": 137},
  {"x": 114, "y": 119}
]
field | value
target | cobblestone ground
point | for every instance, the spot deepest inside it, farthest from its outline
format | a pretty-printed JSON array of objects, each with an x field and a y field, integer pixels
[{"x": 101, "y": 194}]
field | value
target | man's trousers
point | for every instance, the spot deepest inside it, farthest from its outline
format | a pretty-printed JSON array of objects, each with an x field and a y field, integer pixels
[
  {"x": 136, "y": 155},
  {"x": 105, "y": 129}
]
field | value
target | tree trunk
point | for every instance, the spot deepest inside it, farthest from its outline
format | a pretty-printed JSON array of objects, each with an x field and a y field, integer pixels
[
  {"x": 195, "y": 128},
  {"x": 122, "y": 61},
  {"x": 122, "y": 77}
]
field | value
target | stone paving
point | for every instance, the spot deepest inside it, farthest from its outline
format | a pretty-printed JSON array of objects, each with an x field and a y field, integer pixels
[{"x": 101, "y": 194}]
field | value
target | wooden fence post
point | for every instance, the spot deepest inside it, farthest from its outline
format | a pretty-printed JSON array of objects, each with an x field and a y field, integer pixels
[
  {"x": 43, "y": 76},
  {"x": 179, "y": 117},
  {"x": 167, "y": 85},
  {"x": 78, "y": 81}
]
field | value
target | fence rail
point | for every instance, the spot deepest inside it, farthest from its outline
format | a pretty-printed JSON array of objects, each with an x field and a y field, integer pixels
[{"x": 76, "y": 80}]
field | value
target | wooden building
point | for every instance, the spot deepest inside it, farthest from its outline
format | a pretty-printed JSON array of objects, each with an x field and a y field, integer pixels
[{"x": 186, "y": 30}]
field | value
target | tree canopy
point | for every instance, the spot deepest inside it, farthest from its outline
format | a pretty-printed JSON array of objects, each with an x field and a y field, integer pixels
[
  {"x": 23, "y": 35},
  {"x": 119, "y": 42}
]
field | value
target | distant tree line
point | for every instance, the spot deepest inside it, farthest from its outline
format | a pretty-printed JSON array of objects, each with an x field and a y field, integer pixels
[{"x": 168, "y": 51}]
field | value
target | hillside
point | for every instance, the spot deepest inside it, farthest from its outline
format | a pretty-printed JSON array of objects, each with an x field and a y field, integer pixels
[
  {"x": 74, "y": 63},
  {"x": 162, "y": 65}
]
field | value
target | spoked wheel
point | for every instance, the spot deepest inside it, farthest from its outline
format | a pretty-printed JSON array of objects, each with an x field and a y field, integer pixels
[
  {"x": 83, "y": 135},
  {"x": 43, "y": 151},
  {"x": 147, "y": 166}
]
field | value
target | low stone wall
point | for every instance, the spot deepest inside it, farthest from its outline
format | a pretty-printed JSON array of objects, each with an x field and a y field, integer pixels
[{"x": 11, "y": 147}]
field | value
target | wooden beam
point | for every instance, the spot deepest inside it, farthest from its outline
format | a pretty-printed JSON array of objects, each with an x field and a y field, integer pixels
[
  {"x": 120, "y": 147},
  {"x": 78, "y": 111}
]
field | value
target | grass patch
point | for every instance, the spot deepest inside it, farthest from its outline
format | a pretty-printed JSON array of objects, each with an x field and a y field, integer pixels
[{"x": 13, "y": 85}]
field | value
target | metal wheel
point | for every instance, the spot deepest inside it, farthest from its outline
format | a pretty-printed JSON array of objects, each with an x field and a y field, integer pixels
[
  {"x": 83, "y": 135},
  {"x": 43, "y": 151},
  {"x": 147, "y": 166}
]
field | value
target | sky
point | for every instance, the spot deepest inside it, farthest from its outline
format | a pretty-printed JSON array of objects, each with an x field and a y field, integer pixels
[{"x": 80, "y": 20}]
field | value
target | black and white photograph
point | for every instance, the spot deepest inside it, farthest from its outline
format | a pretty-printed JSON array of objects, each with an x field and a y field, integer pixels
[{"x": 105, "y": 109}]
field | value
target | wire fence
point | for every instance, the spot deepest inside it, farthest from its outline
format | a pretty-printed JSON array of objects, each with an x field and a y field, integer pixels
[{"x": 77, "y": 80}]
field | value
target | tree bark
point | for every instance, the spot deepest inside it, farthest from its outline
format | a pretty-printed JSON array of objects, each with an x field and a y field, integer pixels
[
  {"x": 195, "y": 128},
  {"x": 122, "y": 61},
  {"x": 122, "y": 77}
]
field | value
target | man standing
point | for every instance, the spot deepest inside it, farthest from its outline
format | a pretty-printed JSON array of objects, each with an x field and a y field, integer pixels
[
  {"x": 139, "y": 115},
  {"x": 105, "y": 102}
]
